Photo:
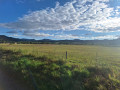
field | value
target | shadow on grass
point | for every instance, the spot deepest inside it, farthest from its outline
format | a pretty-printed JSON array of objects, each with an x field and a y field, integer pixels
[{"x": 57, "y": 75}]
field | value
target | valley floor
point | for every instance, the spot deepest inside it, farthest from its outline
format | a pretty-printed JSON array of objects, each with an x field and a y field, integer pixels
[{"x": 86, "y": 67}]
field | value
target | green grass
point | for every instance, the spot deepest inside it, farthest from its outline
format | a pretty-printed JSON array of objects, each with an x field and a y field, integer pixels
[{"x": 87, "y": 67}]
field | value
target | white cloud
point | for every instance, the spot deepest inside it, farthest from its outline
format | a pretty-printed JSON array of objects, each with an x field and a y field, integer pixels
[
  {"x": 37, "y": 34},
  {"x": 14, "y": 32},
  {"x": 38, "y": 0},
  {"x": 67, "y": 36},
  {"x": 104, "y": 37},
  {"x": 70, "y": 36},
  {"x": 20, "y": 1},
  {"x": 14, "y": 35},
  {"x": 92, "y": 15}
]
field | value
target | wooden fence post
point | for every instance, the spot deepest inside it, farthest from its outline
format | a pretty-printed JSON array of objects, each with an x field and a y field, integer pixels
[
  {"x": 96, "y": 58},
  {"x": 66, "y": 54}
]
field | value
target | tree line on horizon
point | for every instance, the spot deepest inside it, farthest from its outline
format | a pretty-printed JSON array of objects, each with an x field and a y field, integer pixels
[{"x": 5, "y": 39}]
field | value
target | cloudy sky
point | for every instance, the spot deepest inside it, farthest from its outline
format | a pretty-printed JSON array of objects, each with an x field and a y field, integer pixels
[{"x": 60, "y": 19}]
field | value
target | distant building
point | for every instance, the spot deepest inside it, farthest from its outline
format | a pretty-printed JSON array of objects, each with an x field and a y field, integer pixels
[{"x": 15, "y": 43}]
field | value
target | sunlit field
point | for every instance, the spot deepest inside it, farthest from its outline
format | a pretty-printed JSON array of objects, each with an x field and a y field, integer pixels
[
  {"x": 86, "y": 66},
  {"x": 76, "y": 54}
]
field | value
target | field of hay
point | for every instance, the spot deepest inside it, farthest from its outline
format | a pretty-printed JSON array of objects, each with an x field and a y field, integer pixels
[{"x": 87, "y": 67}]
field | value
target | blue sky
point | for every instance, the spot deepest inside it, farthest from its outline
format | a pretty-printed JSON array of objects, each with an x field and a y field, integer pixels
[{"x": 60, "y": 19}]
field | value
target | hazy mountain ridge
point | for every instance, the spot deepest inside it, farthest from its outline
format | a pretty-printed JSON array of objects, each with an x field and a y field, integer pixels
[{"x": 6, "y": 39}]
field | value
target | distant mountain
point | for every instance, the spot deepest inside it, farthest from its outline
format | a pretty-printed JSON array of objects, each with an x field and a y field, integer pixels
[{"x": 5, "y": 39}]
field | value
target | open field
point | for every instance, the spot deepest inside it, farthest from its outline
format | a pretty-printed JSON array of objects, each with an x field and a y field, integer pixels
[{"x": 86, "y": 68}]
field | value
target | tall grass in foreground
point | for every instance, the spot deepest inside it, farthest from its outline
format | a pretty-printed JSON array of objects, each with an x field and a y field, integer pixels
[{"x": 87, "y": 67}]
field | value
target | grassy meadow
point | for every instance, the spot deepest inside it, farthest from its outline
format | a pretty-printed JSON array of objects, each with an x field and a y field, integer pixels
[{"x": 87, "y": 67}]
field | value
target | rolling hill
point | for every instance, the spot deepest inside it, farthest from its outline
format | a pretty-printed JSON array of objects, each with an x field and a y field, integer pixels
[{"x": 6, "y": 39}]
